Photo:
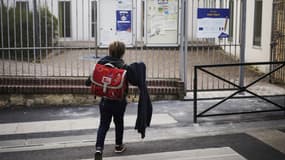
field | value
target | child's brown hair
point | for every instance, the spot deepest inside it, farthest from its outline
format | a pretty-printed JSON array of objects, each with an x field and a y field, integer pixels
[{"x": 117, "y": 49}]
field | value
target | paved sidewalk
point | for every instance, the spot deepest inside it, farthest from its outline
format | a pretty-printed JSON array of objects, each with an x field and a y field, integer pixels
[{"x": 70, "y": 132}]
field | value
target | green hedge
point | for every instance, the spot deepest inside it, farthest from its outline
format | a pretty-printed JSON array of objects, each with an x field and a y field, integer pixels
[{"x": 20, "y": 32}]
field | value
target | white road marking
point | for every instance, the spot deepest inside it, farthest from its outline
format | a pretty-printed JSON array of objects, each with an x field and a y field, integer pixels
[
  {"x": 224, "y": 153},
  {"x": 74, "y": 124}
]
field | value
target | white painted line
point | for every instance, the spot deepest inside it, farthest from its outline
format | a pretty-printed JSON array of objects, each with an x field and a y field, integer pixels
[
  {"x": 224, "y": 153},
  {"x": 74, "y": 124},
  {"x": 8, "y": 128}
]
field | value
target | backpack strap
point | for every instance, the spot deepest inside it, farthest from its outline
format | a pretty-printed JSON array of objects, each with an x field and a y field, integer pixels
[{"x": 109, "y": 65}]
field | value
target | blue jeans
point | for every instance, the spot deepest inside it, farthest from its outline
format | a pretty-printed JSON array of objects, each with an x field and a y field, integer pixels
[{"x": 109, "y": 109}]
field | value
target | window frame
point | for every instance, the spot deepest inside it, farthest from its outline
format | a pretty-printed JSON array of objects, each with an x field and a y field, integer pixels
[
  {"x": 65, "y": 30},
  {"x": 257, "y": 23}
]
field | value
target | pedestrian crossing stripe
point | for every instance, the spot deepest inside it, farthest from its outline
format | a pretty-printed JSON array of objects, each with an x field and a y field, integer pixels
[
  {"x": 223, "y": 153},
  {"x": 74, "y": 124}
]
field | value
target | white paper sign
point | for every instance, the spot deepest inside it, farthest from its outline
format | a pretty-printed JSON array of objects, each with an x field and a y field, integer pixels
[{"x": 213, "y": 23}]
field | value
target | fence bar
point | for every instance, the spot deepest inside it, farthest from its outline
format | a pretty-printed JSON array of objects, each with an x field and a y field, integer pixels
[
  {"x": 34, "y": 34},
  {"x": 28, "y": 37},
  {"x": 82, "y": 13},
  {"x": 15, "y": 37},
  {"x": 195, "y": 95},
  {"x": 267, "y": 100},
  {"x": 76, "y": 17},
  {"x": 243, "y": 40},
  {"x": 238, "y": 64},
  {"x": 182, "y": 41},
  {"x": 220, "y": 102},
  {"x": 2, "y": 39},
  {"x": 274, "y": 70},
  {"x": 8, "y": 33},
  {"x": 89, "y": 35},
  {"x": 186, "y": 44},
  {"x": 46, "y": 34},
  {"x": 64, "y": 30},
  {"x": 239, "y": 113},
  {"x": 52, "y": 39},
  {"x": 40, "y": 36},
  {"x": 21, "y": 38}
]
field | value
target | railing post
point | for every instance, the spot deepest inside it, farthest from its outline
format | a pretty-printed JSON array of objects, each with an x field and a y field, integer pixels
[
  {"x": 195, "y": 96},
  {"x": 183, "y": 42},
  {"x": 182, "y": 39},
  {"x": 242, "y": 45}
]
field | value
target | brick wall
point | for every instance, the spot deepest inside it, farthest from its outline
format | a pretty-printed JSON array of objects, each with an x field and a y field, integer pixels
[{"x": 33, "y": 91}]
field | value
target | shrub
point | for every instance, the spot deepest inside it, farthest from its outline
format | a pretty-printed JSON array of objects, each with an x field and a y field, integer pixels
[{"x": 19, "y": 32}]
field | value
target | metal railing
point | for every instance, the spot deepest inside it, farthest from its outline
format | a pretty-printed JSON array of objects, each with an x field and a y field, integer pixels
[
  {"x": 39, "y": 43},
  {"x": 35, "y": 40},
  {"x": 239, "y": 89}
]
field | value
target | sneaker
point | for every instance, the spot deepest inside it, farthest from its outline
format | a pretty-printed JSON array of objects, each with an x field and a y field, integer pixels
[
  {"x": 98, "y": 155},
  {"x": 120, "y": 148}
]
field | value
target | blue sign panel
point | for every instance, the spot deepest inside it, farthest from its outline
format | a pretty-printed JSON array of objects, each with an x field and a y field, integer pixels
[
  {"x": 213, "y": 13},
  {"x": 212, "y": 23},
  {"x": 123, "y": 20}
]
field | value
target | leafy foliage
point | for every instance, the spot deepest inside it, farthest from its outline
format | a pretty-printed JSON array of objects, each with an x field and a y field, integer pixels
[{"x": 19, "y": 31}]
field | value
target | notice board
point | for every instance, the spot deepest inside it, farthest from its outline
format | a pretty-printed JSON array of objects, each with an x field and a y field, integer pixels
[
  {"x": 115, "y": 22},
  {"x": 162, "y": 22}
]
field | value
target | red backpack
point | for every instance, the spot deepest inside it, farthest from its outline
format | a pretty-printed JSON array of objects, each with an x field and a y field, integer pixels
[{"x": 108, "y": 81}]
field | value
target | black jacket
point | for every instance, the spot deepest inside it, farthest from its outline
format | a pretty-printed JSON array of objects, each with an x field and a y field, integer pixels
[{"x": 136, "y": 74}]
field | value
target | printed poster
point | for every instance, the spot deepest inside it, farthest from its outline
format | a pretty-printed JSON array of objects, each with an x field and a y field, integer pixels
[
  {"x": 162, "y": 22},
  {"x": 213, "y": 23},
  {"x": 123, "y": 20}
]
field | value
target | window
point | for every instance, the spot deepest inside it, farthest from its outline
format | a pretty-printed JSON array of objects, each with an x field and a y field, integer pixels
[
  {"x": 64, "y": 10},
  {"x": 241, "y": 21},
  {"x": 231, "y": 23},
  {"x": 93, "y": 17},
  {"x": 257, "y": 23}
]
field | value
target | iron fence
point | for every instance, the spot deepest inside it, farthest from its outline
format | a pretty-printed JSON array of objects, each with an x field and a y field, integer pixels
[{"x": 39, "y": 38}]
